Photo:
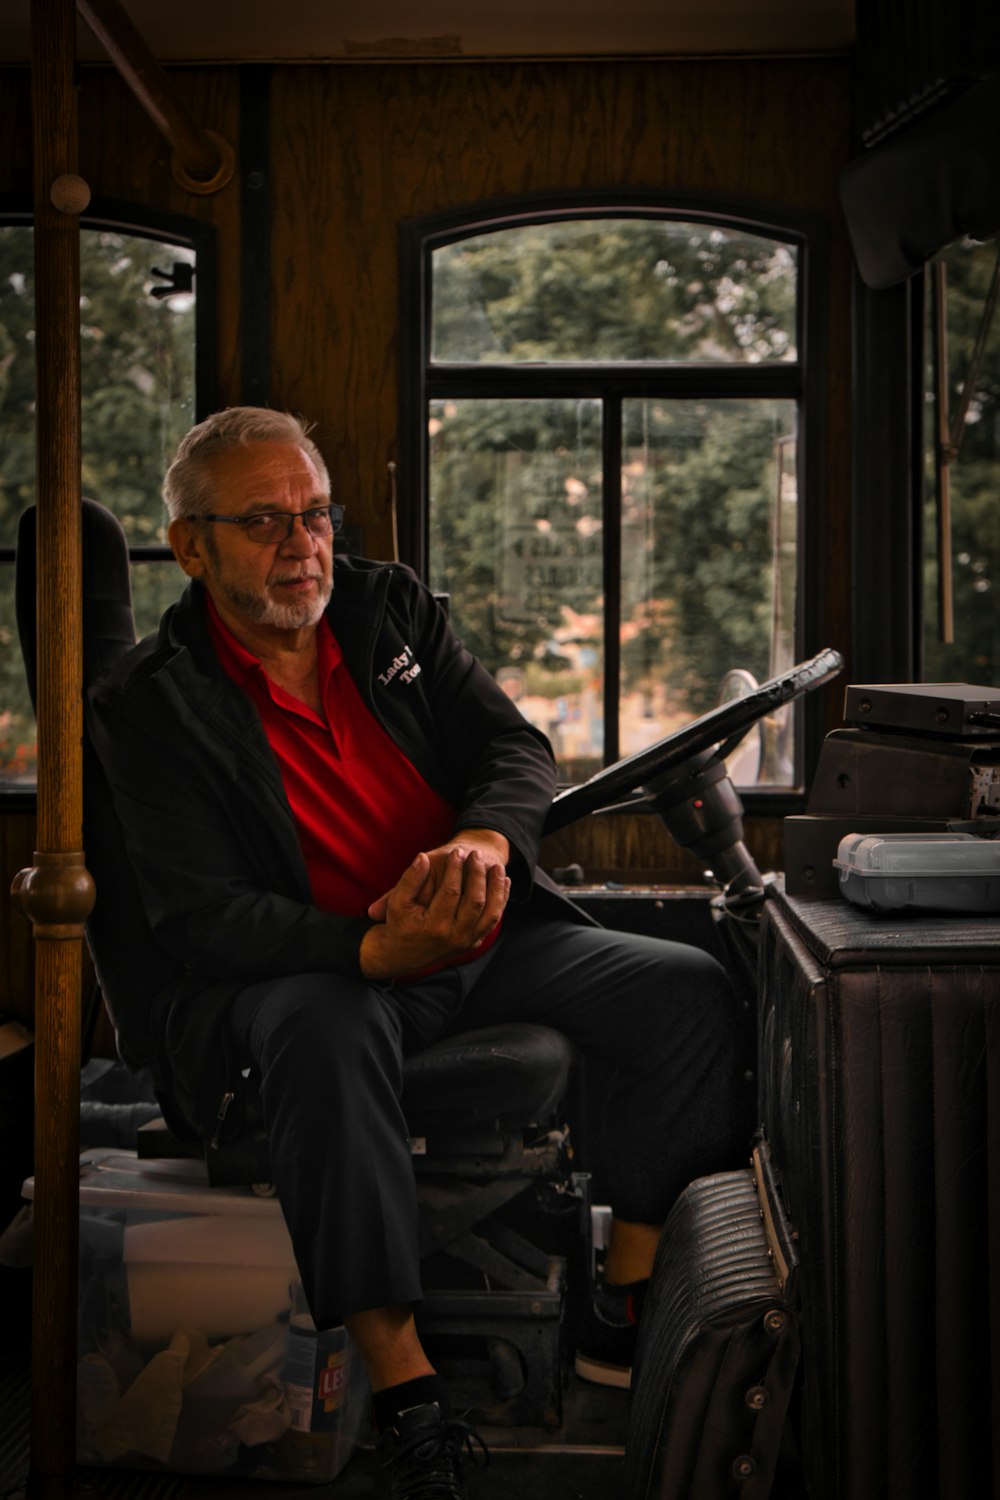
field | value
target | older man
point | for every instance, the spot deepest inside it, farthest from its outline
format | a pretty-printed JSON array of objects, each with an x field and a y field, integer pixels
[{"x": 333, "y": 814}]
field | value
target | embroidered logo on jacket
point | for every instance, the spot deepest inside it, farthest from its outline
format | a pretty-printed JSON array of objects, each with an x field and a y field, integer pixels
[{"x": 402, "y": 666}]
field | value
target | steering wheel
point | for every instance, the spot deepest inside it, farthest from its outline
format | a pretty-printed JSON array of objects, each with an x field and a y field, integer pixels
[{"x": 720, "y": 729}]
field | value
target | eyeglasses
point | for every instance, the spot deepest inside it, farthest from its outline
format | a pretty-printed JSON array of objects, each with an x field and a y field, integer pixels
[{"x": 269, "y": 526}]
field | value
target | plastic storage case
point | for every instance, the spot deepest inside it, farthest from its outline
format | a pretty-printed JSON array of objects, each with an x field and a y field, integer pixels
[
  {"x": 949, "y": 872},
  {"x": 196, "y": 1353}
]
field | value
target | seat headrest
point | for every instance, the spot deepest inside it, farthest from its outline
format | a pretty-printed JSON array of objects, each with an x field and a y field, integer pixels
[
  {"x": 125, "y": 954},
  {"x": 108, "y": 622}
]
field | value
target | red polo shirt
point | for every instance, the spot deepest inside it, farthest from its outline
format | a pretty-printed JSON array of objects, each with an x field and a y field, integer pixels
[{"x": 363, "y": 810}]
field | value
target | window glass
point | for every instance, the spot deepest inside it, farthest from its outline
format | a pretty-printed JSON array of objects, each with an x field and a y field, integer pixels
[
  {"x": 156, "y": 584},
  {"x": 613, "y": 462},
  {"x": 973, "y": 477},
  {"x": 516, "y": 544},
  {"x": 709, "y": 547},
  {"x": 137, "y": 400},
  {"x": 137, "y": 374},
  {"x": 614, "y": 289}
]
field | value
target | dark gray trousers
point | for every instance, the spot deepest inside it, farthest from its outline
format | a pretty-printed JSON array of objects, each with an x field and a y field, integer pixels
[{"x": 657, "y": 1019}]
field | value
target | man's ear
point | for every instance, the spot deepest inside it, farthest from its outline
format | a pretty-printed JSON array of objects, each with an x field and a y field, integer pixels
[{"x": 187, "y": 541}]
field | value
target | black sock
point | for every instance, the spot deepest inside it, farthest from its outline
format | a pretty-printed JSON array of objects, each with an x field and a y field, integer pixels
[
  {"x": 394, "y": 1399},
  {"x": 620, "y": 1303}
]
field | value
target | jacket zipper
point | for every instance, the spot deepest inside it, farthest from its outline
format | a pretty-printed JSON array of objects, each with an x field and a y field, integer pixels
[{"x": 220, "y": 1116}]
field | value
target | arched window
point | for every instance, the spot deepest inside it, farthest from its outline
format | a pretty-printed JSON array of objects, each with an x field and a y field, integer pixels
[
  {"x": 612, "y": 462},
  {"x": 145, "y": 297}
]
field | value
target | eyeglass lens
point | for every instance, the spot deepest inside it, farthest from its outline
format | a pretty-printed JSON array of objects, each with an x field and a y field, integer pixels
[{"x": 322, "y": 521}]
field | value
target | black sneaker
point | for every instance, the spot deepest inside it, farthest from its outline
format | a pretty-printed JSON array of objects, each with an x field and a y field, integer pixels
[
  {"x": 606, "y": 1339},
  {"x": 422, "y": 1454}
]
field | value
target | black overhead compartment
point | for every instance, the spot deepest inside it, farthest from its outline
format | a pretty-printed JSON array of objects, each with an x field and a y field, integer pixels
[{"x": 927, "y": 169}]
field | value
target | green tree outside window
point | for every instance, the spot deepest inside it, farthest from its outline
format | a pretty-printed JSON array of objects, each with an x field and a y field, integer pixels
[
  {"x": 974, "y": 654},
  {"x": 137, "y": 401},
  {"x": 667, "y": 331}
]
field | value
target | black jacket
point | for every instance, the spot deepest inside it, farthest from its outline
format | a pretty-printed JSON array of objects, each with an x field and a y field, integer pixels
[{"x": 209, "y": 833}]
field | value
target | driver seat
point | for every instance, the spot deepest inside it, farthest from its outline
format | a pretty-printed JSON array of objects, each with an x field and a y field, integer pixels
[{"x": 481, "y": 1106}]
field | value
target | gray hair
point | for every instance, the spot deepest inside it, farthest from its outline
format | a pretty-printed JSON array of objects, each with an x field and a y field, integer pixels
[{"x": 187, "y": 487}]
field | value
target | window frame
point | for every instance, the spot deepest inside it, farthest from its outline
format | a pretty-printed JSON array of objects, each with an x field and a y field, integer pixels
[
  {"x": 16, "y": 210},
  {"x": 802, "y": 380}
]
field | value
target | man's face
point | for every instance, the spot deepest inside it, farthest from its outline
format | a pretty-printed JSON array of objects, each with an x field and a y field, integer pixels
[{"x": 281, "y": 586}]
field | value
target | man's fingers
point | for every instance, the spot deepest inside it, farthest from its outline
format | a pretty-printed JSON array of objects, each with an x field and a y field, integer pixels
[
  {"x": 472, "y": 899},
  {"x": 496, "y": 898},
  {"x": 378, "y": 909},
  {"x": 467, "y": 902},
  {"x": 447, "y": 897},
  {"x": 408, "y": 887},
  {"x": 410, "y": 883}
]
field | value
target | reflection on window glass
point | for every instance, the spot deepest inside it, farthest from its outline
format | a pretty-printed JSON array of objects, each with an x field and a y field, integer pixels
[
  {"x": 516, "y": 518},
  {"x": 137, "y": 397},
  {"x": 709, "y": 543},
  {"x": 973, "y": 479},
  {"x": 614, "y": 289}
]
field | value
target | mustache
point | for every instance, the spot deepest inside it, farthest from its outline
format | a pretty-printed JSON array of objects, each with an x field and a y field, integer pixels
[{"x": 297, "y": 577}]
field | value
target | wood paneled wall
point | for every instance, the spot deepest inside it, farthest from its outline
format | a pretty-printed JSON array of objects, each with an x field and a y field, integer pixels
[{"x": 358, "y": 150}]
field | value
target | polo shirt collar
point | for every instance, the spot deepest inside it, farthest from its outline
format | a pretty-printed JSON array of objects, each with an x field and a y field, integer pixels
[{"x": 242, "y": 666}]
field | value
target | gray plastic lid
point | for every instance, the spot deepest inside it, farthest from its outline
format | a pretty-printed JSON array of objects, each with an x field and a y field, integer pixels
[{"x": 875, "y": 854}]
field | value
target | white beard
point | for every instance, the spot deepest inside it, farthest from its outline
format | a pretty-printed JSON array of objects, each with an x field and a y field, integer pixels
[{"x": 265, "y": 611}]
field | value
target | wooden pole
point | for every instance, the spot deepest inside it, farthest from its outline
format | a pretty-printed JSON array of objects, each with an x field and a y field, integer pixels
[
  {"x": 203, "y": 161},
  {"x": 56, "y": 893}
]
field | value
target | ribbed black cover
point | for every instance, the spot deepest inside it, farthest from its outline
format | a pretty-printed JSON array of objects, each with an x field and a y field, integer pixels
[
  {"x": 717, "y": 1354},
  {"x": 880, "y": 1079}
]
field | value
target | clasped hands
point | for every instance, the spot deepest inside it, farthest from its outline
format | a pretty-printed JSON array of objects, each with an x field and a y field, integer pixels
[{"x": 444, "y": 904}]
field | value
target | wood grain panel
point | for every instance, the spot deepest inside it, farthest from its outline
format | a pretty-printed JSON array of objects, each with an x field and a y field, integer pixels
[
  {"x": 15, "y": 131},
  {"x": 636, "y": 847}
]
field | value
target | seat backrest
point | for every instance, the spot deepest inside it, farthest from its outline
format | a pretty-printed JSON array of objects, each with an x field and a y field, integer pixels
[{"x": 118, "y": 934}]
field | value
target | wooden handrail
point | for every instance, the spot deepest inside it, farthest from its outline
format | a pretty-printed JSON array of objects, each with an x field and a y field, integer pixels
[
  {"x": 56, "y": 893},
  {"x": 203, "y": 161}
]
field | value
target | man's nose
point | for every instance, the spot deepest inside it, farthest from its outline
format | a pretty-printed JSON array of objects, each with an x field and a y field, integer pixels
[{"x": 299, "y": 542}]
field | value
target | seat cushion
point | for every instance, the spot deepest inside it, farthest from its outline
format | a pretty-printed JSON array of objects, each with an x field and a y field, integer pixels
[
  {"x": 511, "y": 1076},
  {"x": 515, "y": 1074}
]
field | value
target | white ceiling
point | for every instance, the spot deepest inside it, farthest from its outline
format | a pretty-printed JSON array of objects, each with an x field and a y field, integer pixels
[{"x": 344, "y": 30}]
